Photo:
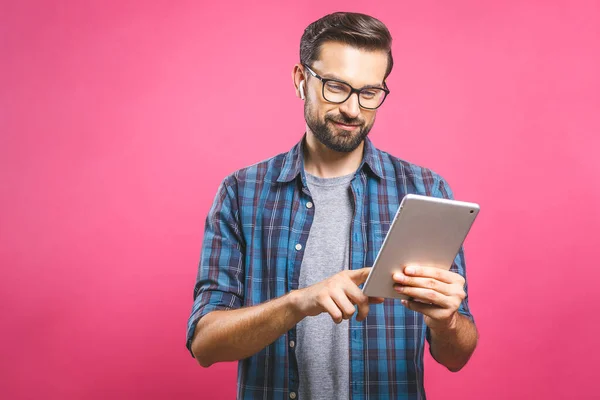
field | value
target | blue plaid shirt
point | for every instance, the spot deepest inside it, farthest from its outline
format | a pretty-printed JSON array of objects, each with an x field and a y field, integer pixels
[{"x": 250, "y": 255}]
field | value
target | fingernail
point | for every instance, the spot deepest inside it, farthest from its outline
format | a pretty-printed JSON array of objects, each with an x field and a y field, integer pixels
[{"x": 409, "y": 270}]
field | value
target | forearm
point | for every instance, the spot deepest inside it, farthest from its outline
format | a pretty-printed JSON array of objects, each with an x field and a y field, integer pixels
[
  {"x": 453, "y": 346},
  {"x": 237, "y": 334}
]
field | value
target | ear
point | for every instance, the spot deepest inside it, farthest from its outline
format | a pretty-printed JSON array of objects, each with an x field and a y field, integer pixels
[{"x": 298, "y": 79}]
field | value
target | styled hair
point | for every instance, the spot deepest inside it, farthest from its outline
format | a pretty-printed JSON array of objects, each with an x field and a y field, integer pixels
[{"x": 358, "y": 30}]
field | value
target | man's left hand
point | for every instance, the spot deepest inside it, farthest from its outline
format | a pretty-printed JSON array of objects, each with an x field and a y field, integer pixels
[{"x": 434, "y": 292}]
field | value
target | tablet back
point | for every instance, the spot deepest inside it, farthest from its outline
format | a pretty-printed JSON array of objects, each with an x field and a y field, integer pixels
[{"x": 426, "y": 231}]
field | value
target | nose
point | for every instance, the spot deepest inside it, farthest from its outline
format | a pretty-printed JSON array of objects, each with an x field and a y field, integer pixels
[{"x": 350, "y": 108}]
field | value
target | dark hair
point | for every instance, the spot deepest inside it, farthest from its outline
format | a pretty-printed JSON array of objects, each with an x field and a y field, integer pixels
[{"x": 358, "y": 30}]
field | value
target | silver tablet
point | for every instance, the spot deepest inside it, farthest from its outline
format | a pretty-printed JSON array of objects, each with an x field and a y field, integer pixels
[{"x": 426, "y": 231}]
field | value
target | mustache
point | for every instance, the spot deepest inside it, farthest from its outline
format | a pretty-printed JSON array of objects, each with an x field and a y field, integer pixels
[{"x": 347, "y": 121}]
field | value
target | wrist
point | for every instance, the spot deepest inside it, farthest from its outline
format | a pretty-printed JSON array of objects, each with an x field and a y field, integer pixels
[
  {"x": 294, "y": 304},
  {"x": 446, "y": 326}
]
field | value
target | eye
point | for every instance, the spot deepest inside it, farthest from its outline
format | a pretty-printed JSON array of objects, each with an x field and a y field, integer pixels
[
  {"x": 336, "y": 87},
  {"x": 369, "y": 94}
]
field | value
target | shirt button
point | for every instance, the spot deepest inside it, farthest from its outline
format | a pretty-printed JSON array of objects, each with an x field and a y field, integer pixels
[
  {"x": 298, "y": 247},
  {"x": 292, "y": 395},
  {"x": 309, "y": 205},
  {"x": 292, "y": 343}
]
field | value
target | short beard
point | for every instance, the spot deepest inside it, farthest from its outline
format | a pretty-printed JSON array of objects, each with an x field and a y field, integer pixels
[{"x": 340, "y": 143}]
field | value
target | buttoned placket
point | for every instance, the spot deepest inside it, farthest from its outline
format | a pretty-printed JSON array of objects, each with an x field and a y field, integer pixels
[
  {"x": 307, "y": 209},
  {"x": 357, "y": 238}
]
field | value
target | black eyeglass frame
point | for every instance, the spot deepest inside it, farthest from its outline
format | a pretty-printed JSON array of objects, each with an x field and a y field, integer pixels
[{"x": 352, "y": 89}]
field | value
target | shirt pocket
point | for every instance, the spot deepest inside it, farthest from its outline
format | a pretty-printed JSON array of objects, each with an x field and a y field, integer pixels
[{"x": 375, "y": 240}]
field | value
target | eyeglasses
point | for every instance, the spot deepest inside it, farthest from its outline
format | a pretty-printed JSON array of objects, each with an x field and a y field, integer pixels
[{"x": 337, "y": 92}]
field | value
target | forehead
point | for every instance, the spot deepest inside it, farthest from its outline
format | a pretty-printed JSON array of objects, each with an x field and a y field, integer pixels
[{"x": 356, "y": 66}]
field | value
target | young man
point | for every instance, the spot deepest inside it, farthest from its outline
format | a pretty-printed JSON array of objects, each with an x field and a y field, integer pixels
[{"x": 287, "y": 241}]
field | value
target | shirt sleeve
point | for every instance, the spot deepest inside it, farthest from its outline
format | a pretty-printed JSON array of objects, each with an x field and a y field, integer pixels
[
  {"x": 459, "y": 265},
  {"x": 219, "y": 283}
]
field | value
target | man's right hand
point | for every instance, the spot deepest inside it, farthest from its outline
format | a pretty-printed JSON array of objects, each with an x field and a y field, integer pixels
[
  {"x": 337, "y": 296},
  {"x": 228, "y": 335}
]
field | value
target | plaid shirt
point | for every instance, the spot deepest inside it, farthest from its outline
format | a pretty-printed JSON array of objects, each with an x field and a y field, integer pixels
[{"x": 255, "y": 234}]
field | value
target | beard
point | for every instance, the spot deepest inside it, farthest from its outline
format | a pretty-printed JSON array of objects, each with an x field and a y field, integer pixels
[{"x": 344, "y": 141}]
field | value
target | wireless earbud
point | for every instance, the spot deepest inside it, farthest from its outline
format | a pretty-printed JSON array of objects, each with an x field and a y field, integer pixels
[{"x": 301, "y": 88}]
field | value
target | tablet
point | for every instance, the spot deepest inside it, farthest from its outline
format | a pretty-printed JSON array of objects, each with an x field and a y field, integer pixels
[{"x": 426, "y": 231}]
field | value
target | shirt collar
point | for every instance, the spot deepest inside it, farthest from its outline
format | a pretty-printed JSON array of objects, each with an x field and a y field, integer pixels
[{"x": 293, "y": 162}]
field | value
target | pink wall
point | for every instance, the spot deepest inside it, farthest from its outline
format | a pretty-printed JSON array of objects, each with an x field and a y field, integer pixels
[{"x": 119, "y": 119}]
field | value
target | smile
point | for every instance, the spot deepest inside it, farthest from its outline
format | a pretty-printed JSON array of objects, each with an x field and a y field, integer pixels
[{"x": 344, "y": 126}]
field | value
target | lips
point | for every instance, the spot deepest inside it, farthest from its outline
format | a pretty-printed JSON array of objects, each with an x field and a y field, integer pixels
[{"x": 347, "y": 126}]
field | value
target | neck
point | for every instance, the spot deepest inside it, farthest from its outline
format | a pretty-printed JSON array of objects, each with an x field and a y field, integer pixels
[{"x": 326, "y": 163}]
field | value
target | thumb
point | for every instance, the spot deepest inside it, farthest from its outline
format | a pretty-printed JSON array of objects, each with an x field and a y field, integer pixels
[{"x": 359, "y": 276}]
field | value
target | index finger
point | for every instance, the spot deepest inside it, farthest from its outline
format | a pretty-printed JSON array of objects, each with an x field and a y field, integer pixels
[
  {"x": 439, "y": 274},
  {"x": 359, "y": 276}
]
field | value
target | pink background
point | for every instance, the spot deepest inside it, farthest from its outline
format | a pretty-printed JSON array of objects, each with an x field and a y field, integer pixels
[{"x": 119, "y": 119}]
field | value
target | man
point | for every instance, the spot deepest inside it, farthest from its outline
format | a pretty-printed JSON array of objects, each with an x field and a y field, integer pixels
[{"x": 287, "y": 241}]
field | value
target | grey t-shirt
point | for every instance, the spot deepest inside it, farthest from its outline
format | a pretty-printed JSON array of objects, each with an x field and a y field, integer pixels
[{"x": 322, "y": 346}]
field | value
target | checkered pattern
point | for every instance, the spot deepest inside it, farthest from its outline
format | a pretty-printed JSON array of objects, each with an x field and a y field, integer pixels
[{"x": 250, "y": 256}]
